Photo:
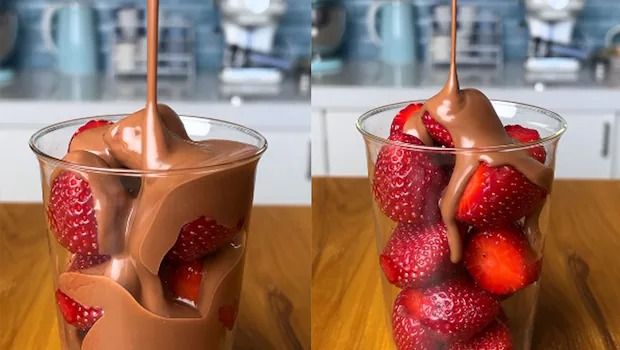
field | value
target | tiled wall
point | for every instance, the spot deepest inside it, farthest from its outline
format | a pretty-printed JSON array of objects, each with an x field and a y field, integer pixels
[
  {"x": 596, "y": 19},
  {"x": 293, "y": 37}
]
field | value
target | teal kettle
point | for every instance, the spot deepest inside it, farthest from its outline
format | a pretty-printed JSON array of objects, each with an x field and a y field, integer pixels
[{"x": 73, "y": 37}]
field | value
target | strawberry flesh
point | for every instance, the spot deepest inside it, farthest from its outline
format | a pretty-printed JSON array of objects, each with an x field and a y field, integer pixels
[
  {"x": 407, "y": 184},
  {"x": 75, "y": 314},
  {"x": 72, "y": 214},
  {"x": 402, "y": 117},
  {"x": 501, "y": 260},
  {"x": 524, "y": 135},
  {"x": 416, "y": 255},
  {"x": 495, "y": 337},
  {"x": 201, "y": 237},
  {"x": 408, "y": 332},
  {"x": 453, "y": 310},
  {"x": 437, "y": 131},
  {"x": 182, "y": 280}
]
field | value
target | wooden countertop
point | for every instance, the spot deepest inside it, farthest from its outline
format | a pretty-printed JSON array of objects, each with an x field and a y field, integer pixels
[
  {"x": 275, "y": 303},
  {"x": 579, "y": 305}
]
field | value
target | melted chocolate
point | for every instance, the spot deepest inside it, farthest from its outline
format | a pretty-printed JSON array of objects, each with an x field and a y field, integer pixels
[{"x": 471, "y": 120}]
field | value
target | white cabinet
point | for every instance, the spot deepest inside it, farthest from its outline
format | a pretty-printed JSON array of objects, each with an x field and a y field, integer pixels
[
  {"x": 19, "y": 179},
  {"x": 587, "y": 148},
  {"x": 346, "y": 151},
  {"x": 319, "y": 143}
]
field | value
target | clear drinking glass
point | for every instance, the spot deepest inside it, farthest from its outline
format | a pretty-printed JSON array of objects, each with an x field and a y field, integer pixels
[
  {"x": 137, "y": 298},
  {"x": 518, "y": 308}
]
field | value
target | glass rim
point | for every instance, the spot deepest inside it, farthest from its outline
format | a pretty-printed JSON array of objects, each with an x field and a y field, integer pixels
[
  {"x": 261, "y": 148},
  {"x": 500, "y": 148}
]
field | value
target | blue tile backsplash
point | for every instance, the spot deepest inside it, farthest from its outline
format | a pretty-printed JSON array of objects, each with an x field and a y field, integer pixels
[
  {"x": 594, "y": 21},
  {"x": 292, "y": 39}
]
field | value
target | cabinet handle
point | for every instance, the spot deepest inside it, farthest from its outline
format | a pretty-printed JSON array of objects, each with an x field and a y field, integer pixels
[{"x": 606, "y": 139}]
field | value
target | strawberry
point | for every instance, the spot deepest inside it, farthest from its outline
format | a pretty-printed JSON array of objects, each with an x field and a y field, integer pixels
[
  {"x": 524, "y": 135},
  {"x": 201, "y": 237},
  {"x": 75, "y": 314},
  {"x": 401, "y": 118},
  {"x": 416, "y": 254},
  {"x": 501, "y": 260},
  {"x": 407, "y": 184},
  {"x": 83, "y": 262},
  {"x": 227, "y": 315},
  {"x": 453, "y": 310},
  {"x": 91, "y": 124},
  {"x": 496, "y": 196},
  {"x": 183, "y": 280},
  {"x": 437, "y": 131},
  {"x": 71, "y": 213},
  {"x": 408, "y": 332},
  {"x": 495, "y": 337}
]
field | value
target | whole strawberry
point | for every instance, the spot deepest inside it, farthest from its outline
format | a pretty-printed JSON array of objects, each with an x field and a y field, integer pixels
[
  {"x": 407, "y": 183},
  {"x": 495, "y": 337},
  {"x": 403, "y": 116},
  {"x": 524, "y": 135},
  {"x": 437, "y": 131},
  {"x": 71, "y": 213},
  {"x": 501, "y": 260},
  {"x": 453, "y": 310},
  {"x": 182, "y": 280},
  {"x": 416, "y": 254},
  {"x": 83, "y": 262},
  {"x": 408, "y": 332},
  {"x": 201, "y": 237},
  {"x": 75, "y": 314}
]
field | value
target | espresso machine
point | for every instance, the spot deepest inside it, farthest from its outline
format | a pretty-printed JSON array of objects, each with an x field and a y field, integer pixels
[
  {"x": 249, "y": 28},
  {"x": 551, "y": 24}
]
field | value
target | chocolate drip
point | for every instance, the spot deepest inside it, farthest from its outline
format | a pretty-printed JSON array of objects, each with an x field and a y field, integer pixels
[{"x": 471, "y": 120}]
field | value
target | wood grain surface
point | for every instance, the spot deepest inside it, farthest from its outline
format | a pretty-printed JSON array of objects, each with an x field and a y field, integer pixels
[
  {"x": 579, "y": 305},
  {"x": 275, "y": 302}
]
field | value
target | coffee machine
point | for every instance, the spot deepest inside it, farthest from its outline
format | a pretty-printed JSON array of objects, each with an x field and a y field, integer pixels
[
  {"x": 249, "y": 28},
  {"x": 551, "y": 24}
]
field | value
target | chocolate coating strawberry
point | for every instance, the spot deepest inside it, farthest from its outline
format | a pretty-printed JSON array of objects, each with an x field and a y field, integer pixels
[
  {"x": 91, "y": 124},
  {"x": 407, "y": 184},
  {"x": 416, "y": 255},
  {"x": 75, "y": 314},
  {"x": 437, "y": 131}
]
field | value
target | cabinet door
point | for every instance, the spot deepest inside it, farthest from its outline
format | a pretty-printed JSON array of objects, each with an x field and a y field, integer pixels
[
  {"x": 346, "y": 152},
  {"x": 284, "y": 171},
  {"x": 319, "y": 141},
  {"x": 586, "y": 150},
  {"x": 20, "y": 176}
]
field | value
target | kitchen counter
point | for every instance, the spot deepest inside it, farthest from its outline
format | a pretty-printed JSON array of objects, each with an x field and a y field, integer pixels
[
  {"x": 275, "y": 302},
  {"x": 578, "y": 305}
]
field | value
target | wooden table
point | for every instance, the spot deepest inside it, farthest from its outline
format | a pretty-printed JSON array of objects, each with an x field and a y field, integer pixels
[
  {"x": 275, "y": 303},
  {"x": 579, "y": 305}
]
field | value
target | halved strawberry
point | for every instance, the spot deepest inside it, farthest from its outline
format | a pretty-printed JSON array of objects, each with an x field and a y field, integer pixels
[
  {"x": 501, "y": 260},
  {"x": 497, "y": 196},
  {"x": 453, "y": 310},
  {"x": 403, "y": 115},
  {"x": 75, "y": 314},
  {"x": 416, "y": 254},
  {"x": 437, "y": 131},
  {"x": 523, "y": 135},
  {"x": 408, "y": 332},
  {"x": 201, "y": 237},
  {"x": 407, "y": 184},
  {"x": 83, "y": 262},
  {"x": 495, "y": 337},
  {"x": 71, "y": 213},
  {"x": 183, "y": 280},
  {"x": 227, "y": 315},
  {"x": 91, "y": 124}
]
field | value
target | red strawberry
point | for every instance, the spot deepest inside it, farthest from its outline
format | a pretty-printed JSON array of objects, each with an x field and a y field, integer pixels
[
  {"x": 403, "y": 115},
  {"x": 83, "y": 262},
  {"x": 495, "y": 337},
  {"x": 75, "y": 314},
  {"x": 407, "y": 184},
  {"x": 201, "y": 237},
  {"x": 416, "y": 255},
  {"x": 408, "y": 332},
  {"x": 227, "y": 315},
  {"x": 90, "y": 125},
  {"x": 72, "y": 215},
  {"x": 496, "y": 196},
  {"x": 437, "y": 131},
  {"x": 524, "y": 135},
  {"x": 455, "y": 309},
  {"x": 183, "y": 280},
  {"x": 501, "y": 260}
]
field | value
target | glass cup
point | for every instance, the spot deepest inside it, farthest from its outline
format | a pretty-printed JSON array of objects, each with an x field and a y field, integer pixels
[
  {"x": 112, "y": 232},
  {"x": 413, "y": 250}
]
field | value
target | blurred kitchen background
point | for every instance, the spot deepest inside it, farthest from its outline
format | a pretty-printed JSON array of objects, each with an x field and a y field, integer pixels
[
  {"x": 563, "y": 55},
  {"x": 247, "y": 61}
]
